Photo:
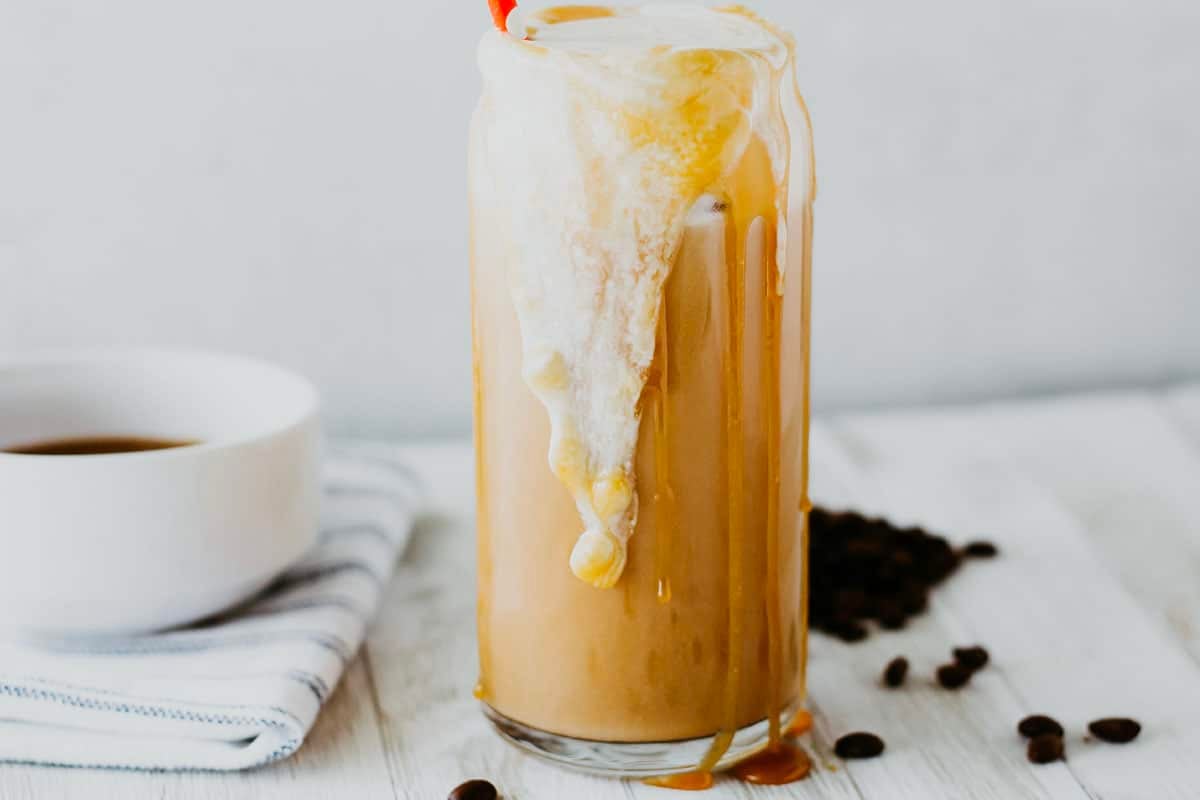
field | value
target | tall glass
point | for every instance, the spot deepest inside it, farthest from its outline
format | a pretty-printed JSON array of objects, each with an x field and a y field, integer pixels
[{"x": 695, "y": 656}]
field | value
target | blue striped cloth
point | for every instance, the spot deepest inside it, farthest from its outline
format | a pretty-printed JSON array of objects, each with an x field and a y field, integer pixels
[{"x": 234, "y": 692}]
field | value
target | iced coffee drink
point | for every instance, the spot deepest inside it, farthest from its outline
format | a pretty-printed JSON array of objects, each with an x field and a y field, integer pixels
[{"x": 641, "y": 187}]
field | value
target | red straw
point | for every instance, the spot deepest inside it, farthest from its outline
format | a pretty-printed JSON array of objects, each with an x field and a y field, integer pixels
[{"x": 500, "y": 11}]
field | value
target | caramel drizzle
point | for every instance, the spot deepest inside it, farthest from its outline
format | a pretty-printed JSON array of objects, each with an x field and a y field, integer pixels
[
  {"x": 805, "y": 355},
  {"x": 734, "y": 447},
  {"x": 772, "y": 330},
  {"x": 805, "y": 412},
  {"x": 664, "y": 494},
  {"x": 801, "y": 724},
  {"x": 483, "y": 542}
]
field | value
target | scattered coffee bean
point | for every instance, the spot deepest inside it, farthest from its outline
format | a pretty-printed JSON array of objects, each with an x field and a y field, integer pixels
[
  {"x": 981, "y": 550},
  {"x": 1038, "y": 724},
  {"x": 914, "y": 599},
  {"x": 973, "y": 658},
  {"x": 953, "y": 676},
  {"x": 848, "y": 631},
  {"x": 858, "y": 745},
  {"x": 896, "y": 672},
  {"x": 863, "y": 568},
  {"x": 474, "y": 790},
  {"x": 892, "y": 617},
  {"x": 1117, "y": 730},
  {"x": 1045, "y": 748}
]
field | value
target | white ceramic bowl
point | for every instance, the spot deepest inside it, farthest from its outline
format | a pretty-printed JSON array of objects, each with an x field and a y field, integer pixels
[{"x": 140, "y": 541}]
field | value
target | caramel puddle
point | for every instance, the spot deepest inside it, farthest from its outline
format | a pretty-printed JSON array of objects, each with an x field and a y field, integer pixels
[
  {"x": 801, "y": 725},
  {"x": 684, "y": 782},
  {"x": 778, "y": 765},
  {"x": 775, "y": 766}
]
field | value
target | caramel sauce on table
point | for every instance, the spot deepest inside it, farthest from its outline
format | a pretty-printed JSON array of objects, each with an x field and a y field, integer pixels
[
  {"x": 684, "y": 782},
  {"x": 801, "y": 725},
  {"x": 97, "y": 446},
  {"x": 780, "y": 763},
  {"x": 776, "y": 766}
]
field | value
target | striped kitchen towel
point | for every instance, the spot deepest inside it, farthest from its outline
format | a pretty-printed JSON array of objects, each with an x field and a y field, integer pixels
[{"x": 234, "y": 692}]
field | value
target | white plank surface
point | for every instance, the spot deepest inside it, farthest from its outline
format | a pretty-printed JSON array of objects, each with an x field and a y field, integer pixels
[{"x": 1092, "y": 610}]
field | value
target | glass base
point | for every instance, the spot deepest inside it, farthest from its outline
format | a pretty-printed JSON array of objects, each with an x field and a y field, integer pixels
[{"x": 631, "y": 759}]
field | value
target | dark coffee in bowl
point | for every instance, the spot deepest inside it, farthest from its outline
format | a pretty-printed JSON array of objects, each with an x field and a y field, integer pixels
[{"x": 96, "y": 446}]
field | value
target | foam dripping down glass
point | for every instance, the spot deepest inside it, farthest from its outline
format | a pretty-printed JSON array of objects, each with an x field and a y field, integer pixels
[{"x": 641, "y": 186}]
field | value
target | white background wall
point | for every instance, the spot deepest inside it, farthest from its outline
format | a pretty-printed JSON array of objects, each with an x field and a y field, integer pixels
[{"x": 1010, "y": 191}]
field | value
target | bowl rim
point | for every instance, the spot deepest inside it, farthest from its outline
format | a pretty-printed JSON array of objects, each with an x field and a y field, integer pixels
[{"x": 308, "y": 400}]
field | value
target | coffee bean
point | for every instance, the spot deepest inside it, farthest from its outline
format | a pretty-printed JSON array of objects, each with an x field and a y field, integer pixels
[
  {"x": 474, "y": 790},
  {"x": 914, "y": 599},
  {"x": 1117, "y": 730},
  {"x": 1038, "y": 724},
  {"x": 1045, "y": 749},
  {"x": 892, "y": 617},
  {"x": 858, "y": 745},
  {"x": 849, "y": 631},
  {"x": 973, "y": 658},
  {"x": 864, "y": 568},
  {"x": 981, "y": 550},
  {"x": 896, "y": 672},
  {"x": 850, "y": 602},
  {"x": 953, "y": 676}
]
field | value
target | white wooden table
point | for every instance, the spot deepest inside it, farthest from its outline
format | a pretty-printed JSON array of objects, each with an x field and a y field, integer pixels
[{"x": 1092, "y": 610}]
